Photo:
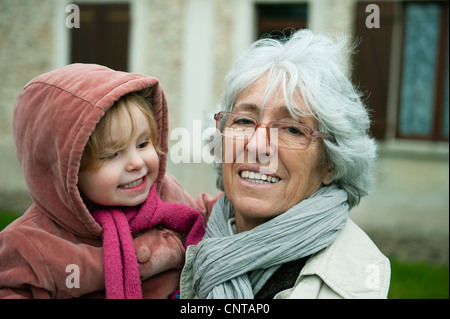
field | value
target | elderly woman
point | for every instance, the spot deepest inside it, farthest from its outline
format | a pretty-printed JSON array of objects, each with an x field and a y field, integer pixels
[{"x": 296, "y": 158}]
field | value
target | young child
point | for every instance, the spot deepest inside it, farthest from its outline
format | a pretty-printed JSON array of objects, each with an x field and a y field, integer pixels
[{"x": 92, "y": 145}]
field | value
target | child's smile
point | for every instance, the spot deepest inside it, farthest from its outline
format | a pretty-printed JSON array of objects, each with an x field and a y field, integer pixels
[{"x": 133, "y": 184}]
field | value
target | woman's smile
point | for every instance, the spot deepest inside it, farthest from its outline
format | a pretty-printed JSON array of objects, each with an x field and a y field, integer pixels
[
  {"x": 258, "y": 178},
  {"x": 254, "y": 175}
]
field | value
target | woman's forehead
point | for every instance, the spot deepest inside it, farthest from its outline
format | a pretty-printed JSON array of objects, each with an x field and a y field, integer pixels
[
  {"x": 264, "y": 95},
  {"x": 251, "y": 104},
  {"x": 256, "y": 109}
]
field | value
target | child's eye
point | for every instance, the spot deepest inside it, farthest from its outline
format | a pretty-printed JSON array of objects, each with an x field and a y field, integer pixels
[
  {"x": 143, "y": 145},
  {"x": 109, "y": 156}
]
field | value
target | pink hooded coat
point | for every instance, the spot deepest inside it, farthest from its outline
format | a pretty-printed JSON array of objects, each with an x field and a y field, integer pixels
[{"x": 54, "y": 250}]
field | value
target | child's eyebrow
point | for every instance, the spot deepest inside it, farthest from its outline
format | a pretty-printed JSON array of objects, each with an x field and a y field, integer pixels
[
  {"x": 112, "y": 145},
  {"x": 147, "y": 135},
  {"x": 111, "y": 142}
]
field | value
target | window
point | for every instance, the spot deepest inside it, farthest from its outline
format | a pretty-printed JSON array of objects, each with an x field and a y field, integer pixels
[
  {"x": 103, "y": 35},
  {"x": 403, "y": 66},
  {"x": 424, "y": 69},
  {"x": 280, "y": 19}
]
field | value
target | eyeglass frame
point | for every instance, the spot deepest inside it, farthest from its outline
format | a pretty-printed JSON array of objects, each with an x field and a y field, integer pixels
[{"x": 311, "y": 136}]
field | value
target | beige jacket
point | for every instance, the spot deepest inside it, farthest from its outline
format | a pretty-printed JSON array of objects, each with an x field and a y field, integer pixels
[{"x": 351, "y": 267}]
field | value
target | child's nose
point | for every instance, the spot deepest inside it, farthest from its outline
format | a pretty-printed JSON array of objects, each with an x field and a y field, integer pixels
[{"x": 135, "y": 161}]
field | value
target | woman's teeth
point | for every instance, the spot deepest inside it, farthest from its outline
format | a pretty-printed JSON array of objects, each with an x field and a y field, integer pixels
[
  {"x": 258, "y": 178},
  {"x": 133, "y": 184}
]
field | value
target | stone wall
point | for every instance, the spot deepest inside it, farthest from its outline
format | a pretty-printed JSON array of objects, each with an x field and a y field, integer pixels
[
  {"x": 26, "y": 50},
  {"x": 163, "y": 47}
]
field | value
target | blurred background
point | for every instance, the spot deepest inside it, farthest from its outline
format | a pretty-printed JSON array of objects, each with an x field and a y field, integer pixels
[{"x": 402, "y": 65}]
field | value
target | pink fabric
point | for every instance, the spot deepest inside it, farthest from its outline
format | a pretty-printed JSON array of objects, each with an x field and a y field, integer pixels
[
  {"x": 119, "y": 256},
  {"x": 57, "y": 112}
]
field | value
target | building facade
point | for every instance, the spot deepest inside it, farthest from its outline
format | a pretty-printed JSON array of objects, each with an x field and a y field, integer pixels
[{"x": 191, "y": 44}]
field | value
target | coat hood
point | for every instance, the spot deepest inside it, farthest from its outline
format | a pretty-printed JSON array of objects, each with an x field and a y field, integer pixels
[{"x": 54, "y": 116}]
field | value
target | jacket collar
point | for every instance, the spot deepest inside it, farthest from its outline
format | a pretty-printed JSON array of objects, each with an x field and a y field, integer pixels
[{"x": 352, "y": 265}]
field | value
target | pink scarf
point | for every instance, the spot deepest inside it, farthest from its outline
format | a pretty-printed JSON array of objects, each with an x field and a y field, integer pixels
[{"x": 119, "y": 256}]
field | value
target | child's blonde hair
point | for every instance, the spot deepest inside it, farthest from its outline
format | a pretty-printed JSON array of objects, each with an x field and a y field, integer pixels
[{"x": 92, "y": 154}]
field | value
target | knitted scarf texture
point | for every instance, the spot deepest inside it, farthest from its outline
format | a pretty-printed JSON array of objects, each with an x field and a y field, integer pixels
[
  {"x": 236, "y": 266},
  {"x": 119, "y": 256}
]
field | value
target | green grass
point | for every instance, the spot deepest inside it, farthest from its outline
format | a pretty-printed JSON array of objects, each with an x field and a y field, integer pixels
[
  {"x": 409, "y": 280},
  {"x": 418, "y": 281},
  {"x": 6, "y": 218}
]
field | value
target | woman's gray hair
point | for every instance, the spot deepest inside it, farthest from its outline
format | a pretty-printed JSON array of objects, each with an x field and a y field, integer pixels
[{"x": 313, "y": 68}]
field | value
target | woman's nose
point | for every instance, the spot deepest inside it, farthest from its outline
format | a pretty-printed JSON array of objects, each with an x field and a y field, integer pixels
[{"x": 259, "y": 145}]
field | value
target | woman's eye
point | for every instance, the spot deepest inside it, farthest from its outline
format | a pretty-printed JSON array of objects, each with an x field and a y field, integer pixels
[
  {"x": 243, "y": 121},
  {"x": 294, "y": 130}
]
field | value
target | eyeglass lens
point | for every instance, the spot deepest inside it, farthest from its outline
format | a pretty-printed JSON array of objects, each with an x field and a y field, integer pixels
[{"x": 281, "y": 133}]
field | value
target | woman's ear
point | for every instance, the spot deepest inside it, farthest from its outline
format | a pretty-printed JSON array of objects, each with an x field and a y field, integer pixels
[{"x": 328, "y": 177}]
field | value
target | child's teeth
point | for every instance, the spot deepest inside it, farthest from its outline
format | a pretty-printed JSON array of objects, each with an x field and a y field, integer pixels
[{"x": 133, "y": 184}]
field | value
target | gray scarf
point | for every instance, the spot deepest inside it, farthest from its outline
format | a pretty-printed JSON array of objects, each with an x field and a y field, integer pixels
[{"x": 236, "y": 266}]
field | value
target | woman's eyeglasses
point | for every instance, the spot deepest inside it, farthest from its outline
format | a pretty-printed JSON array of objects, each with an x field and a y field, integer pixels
[{"x": 285, "y": 134}]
